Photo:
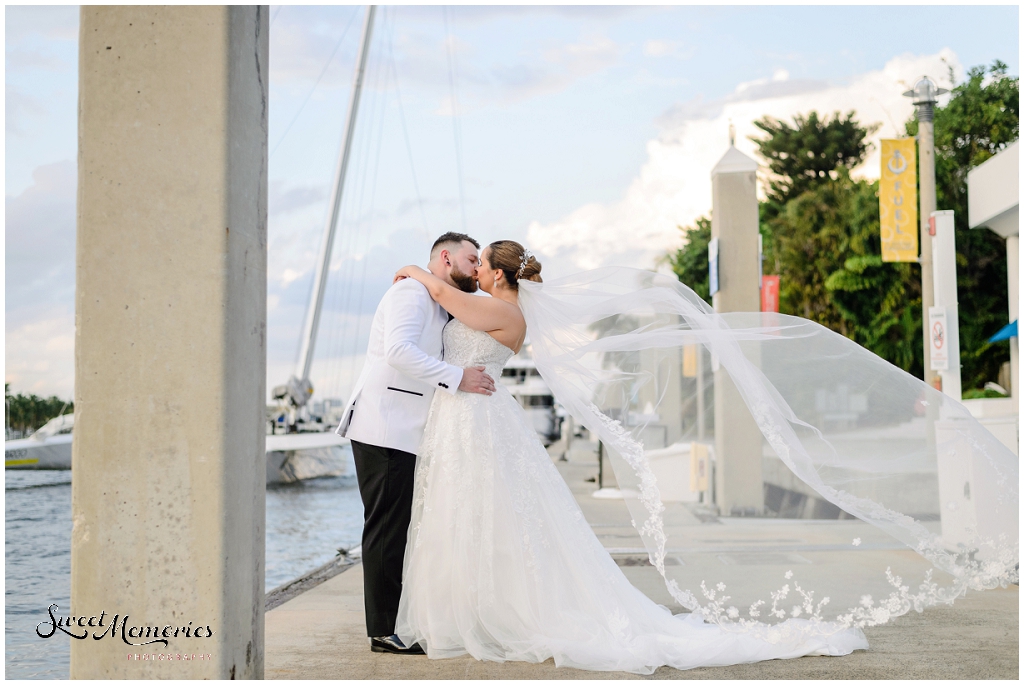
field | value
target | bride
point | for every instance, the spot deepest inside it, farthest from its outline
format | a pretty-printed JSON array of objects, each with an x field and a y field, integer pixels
[{"x": 501, "y": 563}]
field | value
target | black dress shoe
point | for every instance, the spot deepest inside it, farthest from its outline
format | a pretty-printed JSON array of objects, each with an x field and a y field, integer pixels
[{"x": 393, "y": 645}]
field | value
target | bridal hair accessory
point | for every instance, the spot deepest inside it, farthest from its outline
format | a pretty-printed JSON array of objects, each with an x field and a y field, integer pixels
[{"x": 527, "y": 256}]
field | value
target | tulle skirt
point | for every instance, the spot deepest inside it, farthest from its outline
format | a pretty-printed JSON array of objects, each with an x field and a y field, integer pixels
[{"x": 502, "y": 565}]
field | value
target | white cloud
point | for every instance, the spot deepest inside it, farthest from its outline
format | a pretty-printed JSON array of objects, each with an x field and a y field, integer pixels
[
  {"x": 40, "y": 283},
  {"x": 21, "y": 108},
  {"x": 40, "y": 354},
  {"x": 51, "y": 22},
  {"x": 659, "y": 48},
  {"x": 40, "y": 239},
  {"x": 667, "y": 48},
  {"x": 537, "y": 73},
  {"x": 673, "y": 187},
  {"x": 302, "y": 40},
  {"x": 34, "y": 59},
  {"x": 288, "y": 276},
  {"x": 283, "y": 199},
  {"x": 559, "y": 68},
  {"x": 489, "y": 13}
]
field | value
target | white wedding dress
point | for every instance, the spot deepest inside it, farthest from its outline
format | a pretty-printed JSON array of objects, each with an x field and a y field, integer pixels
[{"x": 502, "y": 565}]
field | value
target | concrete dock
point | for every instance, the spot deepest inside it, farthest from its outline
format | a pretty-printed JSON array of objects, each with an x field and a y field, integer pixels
[{"x": 321, "y": 633}]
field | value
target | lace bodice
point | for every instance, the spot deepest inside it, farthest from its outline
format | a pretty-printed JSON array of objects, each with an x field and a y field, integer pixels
[{"x": 465, "y": 347}]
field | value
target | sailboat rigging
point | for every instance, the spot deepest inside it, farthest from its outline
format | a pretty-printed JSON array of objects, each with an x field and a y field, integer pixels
[
  {"x": 298, "y": 390},
  {"x": 296, "y": 410}
]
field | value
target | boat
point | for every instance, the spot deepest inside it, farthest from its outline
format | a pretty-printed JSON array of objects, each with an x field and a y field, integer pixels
[
  {"x": 524, "y": 382},
  {"x": 47, "y": 448},
  {"x": 291, "y": 457}
]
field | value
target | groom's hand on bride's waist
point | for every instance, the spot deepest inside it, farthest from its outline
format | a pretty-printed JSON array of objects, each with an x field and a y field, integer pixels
[{"x": 475, "y": 380}]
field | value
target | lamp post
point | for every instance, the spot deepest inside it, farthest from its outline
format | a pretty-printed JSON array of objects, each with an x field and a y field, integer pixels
[{"x": 924, "y": 98}]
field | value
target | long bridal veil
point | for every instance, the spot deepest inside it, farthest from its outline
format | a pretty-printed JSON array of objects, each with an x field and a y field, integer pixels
[{"x": 872, "y": 493}]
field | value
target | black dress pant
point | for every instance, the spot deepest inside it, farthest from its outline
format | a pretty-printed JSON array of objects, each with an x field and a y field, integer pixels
[{"x": 385, "y": 478}]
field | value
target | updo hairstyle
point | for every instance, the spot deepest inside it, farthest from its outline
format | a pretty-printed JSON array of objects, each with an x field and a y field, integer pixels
[{"x": 507, "y": 255}]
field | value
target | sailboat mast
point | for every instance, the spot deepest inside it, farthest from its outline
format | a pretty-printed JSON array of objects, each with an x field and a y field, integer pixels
[{"x": 327, "y": 243}]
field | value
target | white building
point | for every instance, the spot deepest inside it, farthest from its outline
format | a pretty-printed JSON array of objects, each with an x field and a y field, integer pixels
[{"x": 992, "y": 203}]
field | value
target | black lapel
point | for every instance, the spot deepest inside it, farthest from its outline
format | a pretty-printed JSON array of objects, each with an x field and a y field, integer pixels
[{"x": 450, "y": 317}]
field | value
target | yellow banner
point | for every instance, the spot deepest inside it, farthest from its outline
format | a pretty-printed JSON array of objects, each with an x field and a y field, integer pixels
[{"x": 897, "y": 199}]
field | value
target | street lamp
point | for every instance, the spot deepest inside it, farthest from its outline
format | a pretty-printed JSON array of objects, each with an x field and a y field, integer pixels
[{"x": 924, "y": 96}]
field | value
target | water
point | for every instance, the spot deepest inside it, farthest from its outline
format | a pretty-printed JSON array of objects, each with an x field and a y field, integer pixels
[
  {"x": 306, "y": 524},
  {"x": 37, "y": 538},
  {"x": 308, "y": 521}
]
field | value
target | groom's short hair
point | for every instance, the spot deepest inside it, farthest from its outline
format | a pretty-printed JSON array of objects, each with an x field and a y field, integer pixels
[{"x": 451, "y": 238}]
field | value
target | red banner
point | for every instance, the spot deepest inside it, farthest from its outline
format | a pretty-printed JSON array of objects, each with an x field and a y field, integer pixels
[{"x": 769, "y": 293}]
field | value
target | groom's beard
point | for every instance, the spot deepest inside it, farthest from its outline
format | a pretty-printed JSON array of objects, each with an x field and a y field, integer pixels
[{"x": 463, "y": 282}]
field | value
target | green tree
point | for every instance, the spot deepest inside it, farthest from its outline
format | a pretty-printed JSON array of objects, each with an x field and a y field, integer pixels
[
  {"x": 880, "y": 301},
  {"x": 690, "y": 262},
  {"x": 29, "y": 412},
  {"x": 820, "y": 228},
  {"x": 808, "y": 153},
  {"x": 816, "y": 218},
  {"x": 981, "y": 118},
  {"x": 831, "y": 234}
]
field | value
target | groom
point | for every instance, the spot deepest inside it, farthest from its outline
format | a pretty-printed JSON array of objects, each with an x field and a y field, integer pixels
[{"x": 385, "y": 416}]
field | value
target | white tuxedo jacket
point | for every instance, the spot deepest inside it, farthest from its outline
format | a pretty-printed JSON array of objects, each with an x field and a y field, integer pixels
[{"x": 391, "y": 399}]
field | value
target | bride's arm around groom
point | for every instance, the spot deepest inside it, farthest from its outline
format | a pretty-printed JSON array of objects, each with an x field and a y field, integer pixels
[{"x": 403, "y": 369}]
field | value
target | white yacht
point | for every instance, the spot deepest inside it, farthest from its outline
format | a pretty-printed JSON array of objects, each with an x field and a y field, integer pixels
[
  {"x": 47, "y": 448},
  {"x": 524, "y": 382},
  {"x": 290, "y": 457}
]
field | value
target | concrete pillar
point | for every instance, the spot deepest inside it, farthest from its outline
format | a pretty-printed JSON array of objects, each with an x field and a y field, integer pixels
[
  {"x": 734, "y": 224},
  {"x": 666, "y": 394},
  {"x": 169, "y": 465},
  {"x": 1013, "y": 284}
]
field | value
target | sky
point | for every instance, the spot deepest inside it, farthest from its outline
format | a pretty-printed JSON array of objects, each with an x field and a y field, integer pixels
[{"x": 586, "y": 133}]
